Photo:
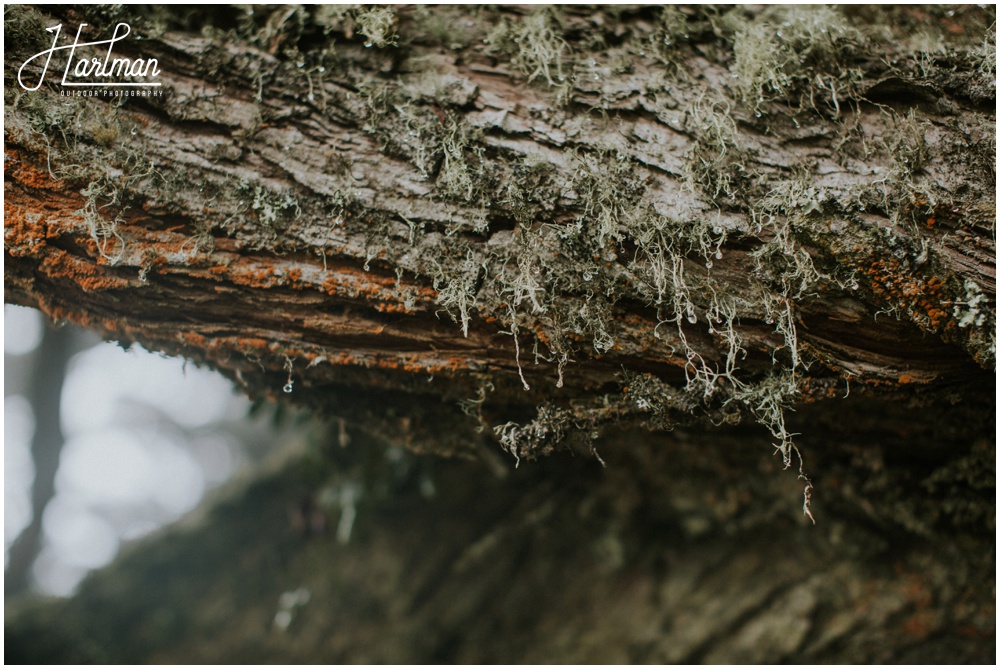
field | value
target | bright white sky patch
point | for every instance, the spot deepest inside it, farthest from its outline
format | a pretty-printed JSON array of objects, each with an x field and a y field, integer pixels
[
  {"x": 180, "y": 482},
  {"x": 104, "y": 381},
  {"x": 55, "y": 577},
  {"x": 18, "y": 470},
  {"x": 138, "y": 428},
  {"x": 80, "y": 537},
  {"x": 109, "y": 466},
  {"x": 22, "y": 330}
]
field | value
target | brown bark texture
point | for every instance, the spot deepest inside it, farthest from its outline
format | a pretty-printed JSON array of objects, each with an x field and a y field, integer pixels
[{"x": 660, "y": 238}]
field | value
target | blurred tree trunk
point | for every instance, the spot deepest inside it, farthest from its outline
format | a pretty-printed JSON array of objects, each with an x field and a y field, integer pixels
[
  {"x": 44, "y": 393},
  {"x": 556, "y": 229}
]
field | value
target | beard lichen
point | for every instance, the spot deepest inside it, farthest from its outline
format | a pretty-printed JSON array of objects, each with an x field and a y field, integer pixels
[
  {"x": 556, "y": 248},
  {"x": 534, "y": 45},
  {"x": 798, "y": 54}
]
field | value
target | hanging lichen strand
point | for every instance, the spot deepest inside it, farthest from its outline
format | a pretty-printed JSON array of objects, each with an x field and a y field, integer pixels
[{"x": 628, "y": 214}]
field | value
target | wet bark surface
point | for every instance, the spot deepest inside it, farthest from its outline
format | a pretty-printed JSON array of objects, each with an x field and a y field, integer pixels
[{"x": 569, "y": 230}]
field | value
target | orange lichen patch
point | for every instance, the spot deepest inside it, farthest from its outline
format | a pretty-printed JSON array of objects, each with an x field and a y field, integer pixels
[
  {"x": 905, "y": 378},
  {"x": 23, "y": 229},
  {"x": 974, "y": 632},
  {"x": 353, "y": 325},
  {"x": 59, "y": 264},
  {"x": 425, "y": 362},
  {"x": 393, "y": 308},
  {"x": 380, "y": 291},
  {"x": 26, "y": 173},
  {"x": 941, "y": 213},
  {"x": 192, "y": 339},
  {"x": 924, "y": 299},
  {"x": 253, "y": 275},
  {"x": 925, "y": 620},
  {"x": 250, "y": 344}
]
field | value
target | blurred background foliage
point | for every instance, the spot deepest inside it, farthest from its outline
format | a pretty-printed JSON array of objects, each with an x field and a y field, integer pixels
[{"x": 104, "y": 446}]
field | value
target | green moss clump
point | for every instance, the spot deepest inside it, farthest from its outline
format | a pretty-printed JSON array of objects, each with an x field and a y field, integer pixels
[{"x": 552, "y": 428}]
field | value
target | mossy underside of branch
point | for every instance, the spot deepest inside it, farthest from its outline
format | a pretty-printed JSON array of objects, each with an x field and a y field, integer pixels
[{"x": 572, "y": 220}]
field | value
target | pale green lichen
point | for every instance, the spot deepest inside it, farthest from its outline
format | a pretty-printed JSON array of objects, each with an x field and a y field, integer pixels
[
  {"x": 797, "y": 53},
  {"x": 457, "y": 286},
  {"x": 378, "y": 25},
  {"x": 716, "y": 163},
  {"x": 104, "y": 230},
  {"x": 551, "y": 427},
  {"x": 906, "y": 144},
  {"x": 461, "y": 175},
  {"x": 534, "y": 45},
  {"x": 272, "y": 207},
  {"x": 988, "y": 56},
  {"x": 608, "y": 189},
  {"x": 973, "y": 309}
]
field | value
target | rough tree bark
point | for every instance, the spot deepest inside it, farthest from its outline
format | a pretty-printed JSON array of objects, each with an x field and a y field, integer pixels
[{"x": 467, "y": 229}]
